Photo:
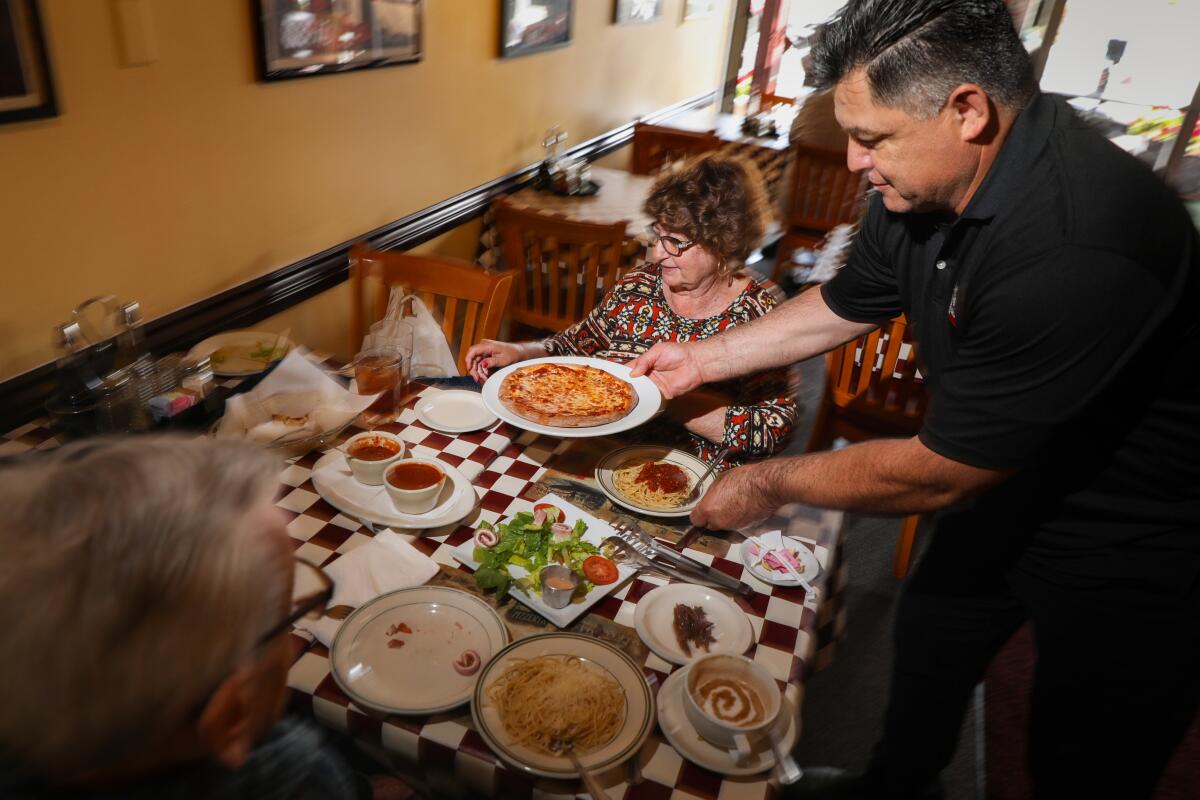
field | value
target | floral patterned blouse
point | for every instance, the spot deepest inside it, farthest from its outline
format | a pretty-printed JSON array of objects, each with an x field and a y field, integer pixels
[{"x": 635, "y": 315}]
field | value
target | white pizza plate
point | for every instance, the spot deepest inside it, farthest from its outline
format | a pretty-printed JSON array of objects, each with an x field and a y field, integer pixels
[
  {"x": 695, "y": 748},
  {"x": 751, "y": 559},
  {"x": 453, "y": 411},
  {"x": 418, "y": 678},
  {"x": 334, "y": 481},
  {"x": 649, "y": 399},
  {"x": 596, "y": 532},
  {"x": 693, "y": 466},
  {"x": 234, "y": 338},
  {"x": 654, "y": 620},
  {"x": 605, "y": 659}
]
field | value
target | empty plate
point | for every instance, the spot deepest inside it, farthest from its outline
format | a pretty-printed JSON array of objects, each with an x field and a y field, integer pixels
[{"x": 454, "y": 411}]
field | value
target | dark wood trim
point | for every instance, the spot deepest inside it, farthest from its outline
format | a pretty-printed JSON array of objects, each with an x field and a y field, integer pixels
[{"x": 22, "y": 397}]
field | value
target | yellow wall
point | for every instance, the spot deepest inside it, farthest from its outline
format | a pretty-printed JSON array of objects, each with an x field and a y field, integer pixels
[{"x": 169, "y": 182}]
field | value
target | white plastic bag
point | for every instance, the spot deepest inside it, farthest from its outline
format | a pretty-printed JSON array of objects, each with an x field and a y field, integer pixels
[{"x": 431, "y": 356}]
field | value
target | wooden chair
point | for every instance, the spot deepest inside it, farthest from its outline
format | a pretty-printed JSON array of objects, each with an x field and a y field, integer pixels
[
  {"x": 872, "y": 390},
  {"x": 562, "y": 267},
  {"x": 469, "y": 300},
  {"x": 768, "y": 101},
  {"x": 655, "y": 146},
  {"x": 823, "y": 194}
]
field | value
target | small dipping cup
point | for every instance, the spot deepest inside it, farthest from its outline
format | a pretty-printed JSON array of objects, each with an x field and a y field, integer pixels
[{"x": 558, "y": 585}]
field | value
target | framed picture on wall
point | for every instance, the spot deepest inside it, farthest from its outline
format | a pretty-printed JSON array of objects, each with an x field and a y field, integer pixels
[
  {"x": 300, "y": 38},
  {"x": 26, "y": 85},
  {"x": 627, "y": 11},
  {"x": 531, "y": 26},
  {"x": 698, "y": 9}
]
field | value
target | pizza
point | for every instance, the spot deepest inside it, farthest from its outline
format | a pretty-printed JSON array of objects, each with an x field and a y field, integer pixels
[{"x": 567, "y": 395}]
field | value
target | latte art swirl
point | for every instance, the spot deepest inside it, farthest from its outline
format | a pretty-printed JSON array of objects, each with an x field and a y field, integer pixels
[{"x": 731, "y": 700}]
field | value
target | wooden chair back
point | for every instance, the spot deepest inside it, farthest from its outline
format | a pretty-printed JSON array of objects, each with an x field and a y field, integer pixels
[
  {"x": 873, "y": 388},
  {"x": 562, "y": 267},
  {"x": 769, "y": 101},
  {"x": 469, "y": 300},
  {"x": 655, "y": 146},
  {"x": 824, "y": 193}
]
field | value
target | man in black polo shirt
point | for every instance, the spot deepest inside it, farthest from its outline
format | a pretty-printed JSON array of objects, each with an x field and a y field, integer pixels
[{"x": 1053, "y": 286}]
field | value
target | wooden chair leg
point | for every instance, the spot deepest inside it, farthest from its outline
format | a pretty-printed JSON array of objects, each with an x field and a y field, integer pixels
[{"x": 904, "y": 545}]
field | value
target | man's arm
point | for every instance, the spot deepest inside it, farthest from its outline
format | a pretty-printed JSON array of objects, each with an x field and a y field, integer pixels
[
  {"x": 798, "y": 329},
  {"x": 889, "y": 476}
]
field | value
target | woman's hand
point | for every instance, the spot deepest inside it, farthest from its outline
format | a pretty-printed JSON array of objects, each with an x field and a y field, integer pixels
[
  {"x": 490, "y": 355},
  {"x": 672, "y": 366}
]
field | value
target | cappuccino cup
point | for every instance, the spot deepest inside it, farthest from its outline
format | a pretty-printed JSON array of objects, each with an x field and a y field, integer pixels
[{"x": 731, "y": 701}]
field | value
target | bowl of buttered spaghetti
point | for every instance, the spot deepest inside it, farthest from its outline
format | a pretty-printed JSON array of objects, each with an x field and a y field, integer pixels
[
  {"x": 653, "y": 479},
  {"x": 558, "y": 687}
]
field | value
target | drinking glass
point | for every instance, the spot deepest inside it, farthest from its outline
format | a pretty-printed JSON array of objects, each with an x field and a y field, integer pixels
[{"x": 380, "y": 371}]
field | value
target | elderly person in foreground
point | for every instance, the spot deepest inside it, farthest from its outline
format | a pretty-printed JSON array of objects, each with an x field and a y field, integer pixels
[
  {"x": 709, "y": 216},
  {"x": 148, "y": 588}
]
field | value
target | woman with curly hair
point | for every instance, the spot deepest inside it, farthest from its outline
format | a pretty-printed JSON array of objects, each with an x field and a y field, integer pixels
[{"x": 709, "y": 216}]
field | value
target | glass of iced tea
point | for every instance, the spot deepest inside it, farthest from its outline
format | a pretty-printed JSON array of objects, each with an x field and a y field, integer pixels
[{"x": 380, "y": 371}]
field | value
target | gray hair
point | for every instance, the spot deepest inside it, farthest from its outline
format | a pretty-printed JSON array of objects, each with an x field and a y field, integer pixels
[
  {"x": 915, "y": 52},
  {"x": 133, "y": 581}
]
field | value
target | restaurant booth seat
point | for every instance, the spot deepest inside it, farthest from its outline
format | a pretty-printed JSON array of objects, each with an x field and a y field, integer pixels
[
  {"x": 873, "y": 390},
  {"x": 823, "y": 194},
  {"x": 470, "y": 301},
  {"x": 655, "y": 146},
  {"x": 562, "y": 267}
]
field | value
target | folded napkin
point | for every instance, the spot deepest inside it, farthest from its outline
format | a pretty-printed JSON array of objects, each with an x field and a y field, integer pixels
[{"x": 384, "y": 564}]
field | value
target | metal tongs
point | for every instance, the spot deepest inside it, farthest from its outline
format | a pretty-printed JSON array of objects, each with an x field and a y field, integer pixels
[{"x": 668, "y": 560}]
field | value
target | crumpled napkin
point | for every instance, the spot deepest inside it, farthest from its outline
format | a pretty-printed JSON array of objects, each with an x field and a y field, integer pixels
[
  {"x": 384, "y": 564},
  {"x": 295, "y": 401}
]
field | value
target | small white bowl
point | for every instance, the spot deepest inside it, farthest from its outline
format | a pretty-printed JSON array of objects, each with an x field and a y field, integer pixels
[
  {"x": 415, "y": 501},
  {"x": 371, "y": 472}
]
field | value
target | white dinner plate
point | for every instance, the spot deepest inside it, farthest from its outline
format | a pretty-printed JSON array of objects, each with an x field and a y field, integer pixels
[
  {"x": 334, "y": 481},
  {"x": 605, "y": 659},
  {"x": 453, "y": 411},
  {"x": 597, "y": 531},
  {"x": 693, "y": 466},
  {"x": 750, "y": 558},
  {"x": 241, "y": 338},
  {"x": 418, "y": 677},
  {"x": 654, "y": 620},
  {"x": 649, "y": 399},
  {"x": 673, "y": 721}
]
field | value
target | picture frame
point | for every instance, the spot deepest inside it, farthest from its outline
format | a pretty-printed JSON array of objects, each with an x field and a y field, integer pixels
[
  {"x": 534, "y": 26},
  {"x": 26, "y": 82},
  {"x": 698, "y": 9},
  {"x": 305, "y": 38},
  {"x": 636, "y": 12}
]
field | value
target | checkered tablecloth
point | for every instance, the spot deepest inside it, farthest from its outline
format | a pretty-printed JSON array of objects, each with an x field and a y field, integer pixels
[{"x": 443, "y": 752}]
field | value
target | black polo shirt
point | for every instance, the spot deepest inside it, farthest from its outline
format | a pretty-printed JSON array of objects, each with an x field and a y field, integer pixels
[{"x": 1056, "y": 323}]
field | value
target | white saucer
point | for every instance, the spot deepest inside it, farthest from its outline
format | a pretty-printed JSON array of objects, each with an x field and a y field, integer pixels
[
  {"x": 673, "y": 721},
  {"x": 654, "y": 620},
  {"x": 335, "y": 483},
  {"x": 812, "y": 567},
  {"x": 454, "y": 411}
]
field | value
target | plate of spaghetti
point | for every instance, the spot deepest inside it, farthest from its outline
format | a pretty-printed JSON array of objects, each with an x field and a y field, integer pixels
[
  {"x": 652, "y": 479},
  {"x": 562, "y": 687}
]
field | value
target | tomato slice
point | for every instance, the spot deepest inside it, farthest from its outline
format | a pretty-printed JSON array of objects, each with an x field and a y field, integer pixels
[
  {"x": 599, "y": 570},
  {"x": 553, "y": 513}
]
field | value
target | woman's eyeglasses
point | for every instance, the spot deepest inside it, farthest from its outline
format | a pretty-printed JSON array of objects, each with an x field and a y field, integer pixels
[
  {"x": 311, "y": 593},
  {"x": 672, "y": 245}
]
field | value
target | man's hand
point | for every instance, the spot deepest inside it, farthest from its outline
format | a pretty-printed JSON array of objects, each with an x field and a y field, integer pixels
[
  {"x": 740, "y": 497},
  {"x": 672, "y": 366}
]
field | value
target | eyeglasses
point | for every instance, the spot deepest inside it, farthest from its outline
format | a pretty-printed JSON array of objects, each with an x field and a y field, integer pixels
[
  {"x": 311, "y": 593},
  {"x": 672, "y": 245}
]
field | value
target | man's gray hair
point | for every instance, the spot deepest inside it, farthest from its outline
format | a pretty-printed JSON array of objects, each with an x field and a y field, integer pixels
[
  {"x": 915, "y": 52},
  {"x": 134, "y": 579}
]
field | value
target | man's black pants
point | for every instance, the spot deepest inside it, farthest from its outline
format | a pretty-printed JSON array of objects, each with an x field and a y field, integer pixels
[{"x": 1117, "y": 680}]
